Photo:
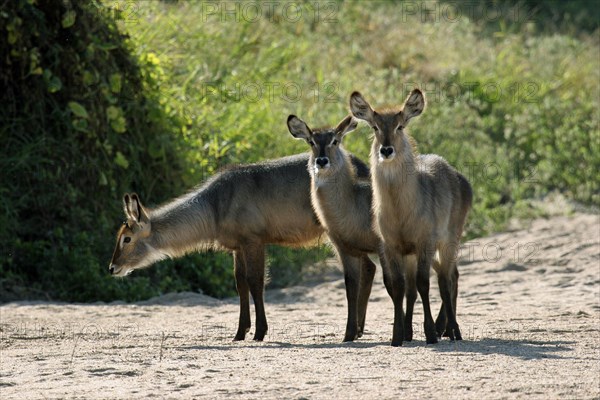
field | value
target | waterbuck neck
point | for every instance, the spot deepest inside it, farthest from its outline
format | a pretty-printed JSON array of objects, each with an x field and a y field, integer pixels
[
  {"x": 183, "y": 225},
  {"x": 335, "y": 193},
  {"x": 338, "y": 180},
  {"x": 397, "y": 179}
]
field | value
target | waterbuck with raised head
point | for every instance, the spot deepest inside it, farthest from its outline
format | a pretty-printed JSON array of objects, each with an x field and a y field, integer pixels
[
  {"x": 240, "y": 209},
  {"x": 420, "y": 205},
  {"x": 342, "y": 202}
]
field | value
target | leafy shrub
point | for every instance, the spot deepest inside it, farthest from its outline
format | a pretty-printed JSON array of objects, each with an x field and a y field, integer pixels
[{"x": 82, "y": 122}]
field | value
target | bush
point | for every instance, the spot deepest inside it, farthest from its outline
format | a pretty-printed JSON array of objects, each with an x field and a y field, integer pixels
[{"x": 83, "y": 121}]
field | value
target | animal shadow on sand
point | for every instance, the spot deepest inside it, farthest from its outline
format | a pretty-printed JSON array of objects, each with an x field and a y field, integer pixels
[
  {"x": 519, "y": 348},
  {"x": 523, "y": 349}
]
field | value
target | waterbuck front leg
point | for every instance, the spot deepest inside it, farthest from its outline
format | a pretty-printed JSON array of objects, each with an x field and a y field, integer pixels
[
  {"x": 394, "y": 275},
  {"x": 367, "y": 274},
  {"x": 424, "y": 259},
  {"x": 241, "y": 285},
  {"x": 255, "y": 267},
  {"x": 384, "y": 268},
  {"x": 351, "y": 266},
  {"x": 411, "y": 297}
]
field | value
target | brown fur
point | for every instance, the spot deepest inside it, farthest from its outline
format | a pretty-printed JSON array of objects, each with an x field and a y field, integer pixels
[
  {"x": 240, "y": 209},
  {"x": 342, "y": 201},
  {"x": 420, "y": 204}
]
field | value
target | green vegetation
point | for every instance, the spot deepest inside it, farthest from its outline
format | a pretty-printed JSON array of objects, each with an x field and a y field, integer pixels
[{"x": 148, "y": 96}]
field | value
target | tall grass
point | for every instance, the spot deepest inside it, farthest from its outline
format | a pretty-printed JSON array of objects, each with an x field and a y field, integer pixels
[{"x": 514, "y": 107}]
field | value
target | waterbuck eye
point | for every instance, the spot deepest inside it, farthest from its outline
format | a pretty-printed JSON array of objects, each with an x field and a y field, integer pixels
[
  {"x": 311, "y": 143},
  {"x": 399, "y": 128},
  {"x": 127, "y": 239},
  {"x": 335, "y": 142},
  {"x": 375, "y": 128}
]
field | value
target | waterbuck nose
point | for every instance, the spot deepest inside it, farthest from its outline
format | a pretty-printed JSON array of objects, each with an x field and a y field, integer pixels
[
  {"x": 322, "y": 161},
  {"x": 386, "y": 151},
  {"x": 111, "y": 269}
]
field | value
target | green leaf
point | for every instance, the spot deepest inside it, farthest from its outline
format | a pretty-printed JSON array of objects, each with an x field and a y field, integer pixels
[
  {"x": 113, "y": 112},
  {"x": 119, "y": 124},
  {"x": 115, "y": 83},
  {"x": 80, "y": 124},
  {"x": 88, "y": 78},
  {"x": 68, "y": 19},
  {"x": 107, "y": 46},
  {"x": 103, "y": 181},
  {"x": 78, "y": 109},
  {"x": 155, "y": 150},
  {"x": 121, "y": 161},
  {"x": 12, "y": 37},
  {"x": 54, "y": 84}
]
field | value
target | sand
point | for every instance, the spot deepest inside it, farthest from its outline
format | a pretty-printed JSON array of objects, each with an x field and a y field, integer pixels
[{"x": 529, "y": 310}]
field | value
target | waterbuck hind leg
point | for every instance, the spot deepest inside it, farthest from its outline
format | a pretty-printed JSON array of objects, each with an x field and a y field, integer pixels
[
  {"x": 424, "y": 259},
  {"x": 440, "y": 321},
  {"x": 351, "y": 266},
  {"x": 367, "y": 274},
  {"x": 455, "y": 274},
  {"x": 447, "y": 289},
  {"x": 243, "y": 291},
  {"x": 255, "y": 263},
  {"x": 411, "y": 298}
]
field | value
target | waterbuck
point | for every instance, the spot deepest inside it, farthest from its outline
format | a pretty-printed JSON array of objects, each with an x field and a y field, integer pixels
[
  {"x": 342, "y": 202},
  {"x": 240, "y": 209},
  {"x": 420, "y": 205}
]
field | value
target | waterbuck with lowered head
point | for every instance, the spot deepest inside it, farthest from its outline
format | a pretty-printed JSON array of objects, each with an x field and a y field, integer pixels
[
  {"x": 240, "y": 209},
  {"x": 420, "y": 205},
  {"x": 342, "y": 202}
]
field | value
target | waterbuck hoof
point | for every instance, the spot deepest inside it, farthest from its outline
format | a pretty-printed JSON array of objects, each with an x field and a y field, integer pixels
[
  {"x": 453, "y": 334},
  {"x": 259, "y": 335},
  {"x": 431, "y": 338},
  {"x": 239, "y": 336},
  {"x": 396, "y": 343},
  {"x": 431, "y": 335},
  {"x": 351, "y": 334}
]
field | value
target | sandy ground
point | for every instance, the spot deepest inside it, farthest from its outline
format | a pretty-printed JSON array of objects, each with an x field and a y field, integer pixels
[{"x": 529, "y": 309}]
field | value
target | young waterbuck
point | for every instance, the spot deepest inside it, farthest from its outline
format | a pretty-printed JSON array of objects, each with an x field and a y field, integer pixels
[
  {"x": 420, "y": 205},
  {"x": 342, "y": 202},
  {"x": 240, "y": 209}
]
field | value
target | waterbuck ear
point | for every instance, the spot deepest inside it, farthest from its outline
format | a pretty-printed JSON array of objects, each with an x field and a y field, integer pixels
[
  {"x": 347, "y": 125},
  {"x": 137, "y": 211},
  {"x": 414, "y": 104},
  {"x": 127, "y": 205},
  {"x": 360, "y": 108},
  {"x": 298, "y": 128}
]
